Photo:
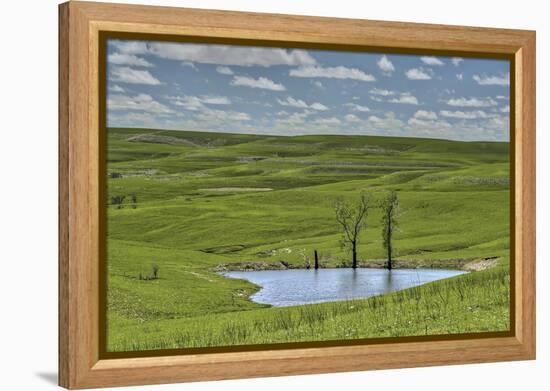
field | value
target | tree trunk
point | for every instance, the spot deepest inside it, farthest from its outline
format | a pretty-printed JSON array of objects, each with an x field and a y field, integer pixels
[
  {"x": 316, "y": 261},
  {"x": 354, "y": 249},
  {"x": 390, "y": 232}
]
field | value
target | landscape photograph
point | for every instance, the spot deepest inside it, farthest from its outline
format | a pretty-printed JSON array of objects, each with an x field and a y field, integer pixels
[{"x": 277, "y": 195}]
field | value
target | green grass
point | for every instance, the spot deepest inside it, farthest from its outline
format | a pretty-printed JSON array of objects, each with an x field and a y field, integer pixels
[
  {"x": 224, "y": 198},
  {"x": 473, "y": 303}
]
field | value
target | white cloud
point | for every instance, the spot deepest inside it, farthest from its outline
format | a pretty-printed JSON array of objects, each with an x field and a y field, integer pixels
[
  {"x": 262, "y": 83},
  {"x": 491, "y": 128},
  {"x": 132, "y": 76},
  {"x": 328, "y": 121},
  {"x": 356, "y": 107},
  {"x": 425, "y": 115},
  {"x": 382, "y": 92},
  {"x": 338, "y": 72},
  {"x": 221, "y": 116},
  {"x": 230, "y": 55},
  {"x": 456, "y": 61},
  {"x": 318, "y": 106},
  {"x": 375, "y": 119},
  {"x": 190, "y": 65},
  {"x": 352, "y": 118},
  {"x": 472, "y": 102},
  {"x": 417, "y": 74},
  {"x": 224, "y": 70},
  {"x": 464, "y": 114},
  {"x": 432, "y": 61},
  {"x": 215, "y": 100},
  {"x": 475, "y": 118},
  {"x": 300, "y": 104},
  {"x": 196, "y": 103},
  {"x": 428, "y": 127},
  {"x": 385, "y": 65},
  {"x": 116, "y": 88},
  {"x": 192, "y": 103},
  {"x": 141, "y": 102},
  {"x": 133, "y": 119},
  {"x": 405, "y": 98},
  {"x": 400, "y": 97},
  {"x": 209, "y": 118},
  {"x": 388, "y": 122},
  {"x": 485, "y": 80},
  {"x": 498, "y": 123},
  {"x": 494, "y": 128},
  {"x": 293, "y": 119},
  {"x": 128, "y": 59}
]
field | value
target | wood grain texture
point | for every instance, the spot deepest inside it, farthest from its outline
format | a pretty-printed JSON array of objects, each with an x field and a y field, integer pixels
[
  {"x": 526, "y": 203},
  {"x": 63, "y": 309},
  {"x": 80, "y": 365}
]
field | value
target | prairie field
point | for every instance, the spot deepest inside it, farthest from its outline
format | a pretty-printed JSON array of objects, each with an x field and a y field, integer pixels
[{"x": 184, "y": 205}]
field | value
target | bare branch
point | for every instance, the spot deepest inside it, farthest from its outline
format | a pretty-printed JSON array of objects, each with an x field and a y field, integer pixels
[{"x": 352, "y": 219}]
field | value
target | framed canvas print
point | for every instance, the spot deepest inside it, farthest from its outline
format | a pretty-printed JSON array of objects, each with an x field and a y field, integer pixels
[{"x": 247, "y": 195}]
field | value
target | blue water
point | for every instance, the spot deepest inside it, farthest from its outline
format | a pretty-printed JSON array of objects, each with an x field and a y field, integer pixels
[{"x": 281, "y": 288}]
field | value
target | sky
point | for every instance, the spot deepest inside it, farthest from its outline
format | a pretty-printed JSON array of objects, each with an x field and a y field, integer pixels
[{"x": 285, "y": 91}]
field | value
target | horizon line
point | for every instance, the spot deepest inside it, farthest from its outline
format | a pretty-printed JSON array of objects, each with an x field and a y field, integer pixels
[{"x": 308, "y": 134}]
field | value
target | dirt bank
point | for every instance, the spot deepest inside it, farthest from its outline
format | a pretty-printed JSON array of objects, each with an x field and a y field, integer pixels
[{"x": 467, "y": 264}]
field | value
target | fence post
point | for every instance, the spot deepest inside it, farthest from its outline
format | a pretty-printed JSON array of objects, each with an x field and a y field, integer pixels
[{"x": 316, "y": 260}]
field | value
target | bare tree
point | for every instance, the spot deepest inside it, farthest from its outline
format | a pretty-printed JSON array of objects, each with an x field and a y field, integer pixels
[
  {"x": 390, "y": 208},
  {"x": 353, "y": 220}
]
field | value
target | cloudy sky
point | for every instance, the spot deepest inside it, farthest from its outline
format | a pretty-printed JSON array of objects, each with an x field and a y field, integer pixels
[{"x": 275, "y": 91}]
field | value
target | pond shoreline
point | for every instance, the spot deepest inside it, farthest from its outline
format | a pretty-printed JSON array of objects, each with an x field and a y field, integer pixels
[
  {"x": 464, "y": 264},
  {"x": 292, "y": 287}
]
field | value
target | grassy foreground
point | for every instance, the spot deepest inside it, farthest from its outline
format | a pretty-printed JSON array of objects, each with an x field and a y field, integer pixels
[
  {"x": 470, "y": 303},
  {"x": 205, "y": 199}
]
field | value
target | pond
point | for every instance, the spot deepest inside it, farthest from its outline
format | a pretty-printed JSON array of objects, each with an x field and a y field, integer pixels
[{"x": 281, "y": 288}]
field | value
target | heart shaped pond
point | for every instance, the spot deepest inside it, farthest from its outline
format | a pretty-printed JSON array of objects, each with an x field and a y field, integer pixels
[{"x": 281, "y": 288}]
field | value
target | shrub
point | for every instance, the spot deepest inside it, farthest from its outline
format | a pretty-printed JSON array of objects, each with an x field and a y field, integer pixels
[
  {"x": 118, "y": 201},
  {"x": 155, "y": 270},
  {"x": 134, "y": 201}
]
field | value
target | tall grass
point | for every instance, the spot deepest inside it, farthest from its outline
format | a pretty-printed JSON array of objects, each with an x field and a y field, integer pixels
[{"x": 469, "y": 303}]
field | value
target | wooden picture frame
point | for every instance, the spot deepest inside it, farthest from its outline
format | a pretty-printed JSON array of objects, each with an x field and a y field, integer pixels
[{"x": 81, "y": 362}]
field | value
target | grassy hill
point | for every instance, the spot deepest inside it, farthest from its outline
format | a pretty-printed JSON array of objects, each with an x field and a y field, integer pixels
[{"x": 208, "y": 199}]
